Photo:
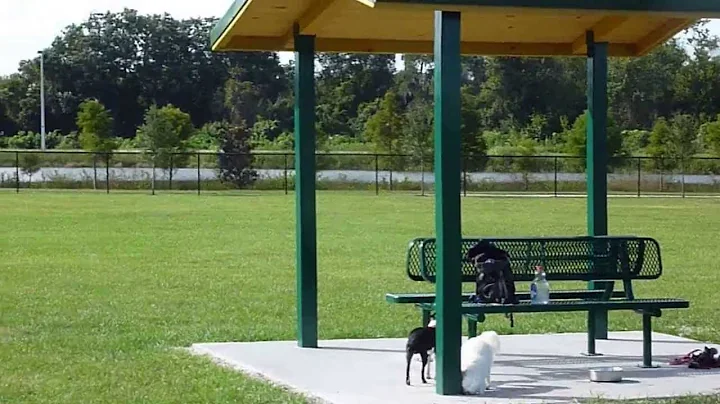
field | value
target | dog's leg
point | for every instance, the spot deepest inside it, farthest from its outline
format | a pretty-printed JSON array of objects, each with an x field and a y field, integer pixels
[
  {"x": 408, "y": 356},
  {"x": 424, "y": 356},
  {"x": 431, "y": 360}
]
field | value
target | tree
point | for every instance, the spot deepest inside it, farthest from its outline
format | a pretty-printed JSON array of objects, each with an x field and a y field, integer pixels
[
  {"x": 635, "y": 141},
  {"x": 96, "y": 124},
  {"x": 164, "y": 133},
  {"x": 523, "y": 149},
  {"x": 70, "y": 142},
  {"x": 209, "y": 136},
  {"x": 696, "y": 89},
  {"x": 7, "y": 125},
  {"x": 670, "y": 141},
  {"x": 32, "y": 140},
  {"x": 347, "y": 81},
  {"x": 129, "y": 61},
  {"x": 641, "y": 89},
  {"x": 385, "y": 127},
  {"x": 474, "y": 146},
  {"x": 235, "y": 159},
  {"x": 660, "y": 147},
  {"x": 518, "y": 88},
  {"x": 710, "y": 133},
  {"x": 30, "y": 164},
  {"x": 417, "y": 136},
  {"x": 243, "y": 101},
  {"x": 684, "y": 136},
  {"x": 575, "y": 140}
]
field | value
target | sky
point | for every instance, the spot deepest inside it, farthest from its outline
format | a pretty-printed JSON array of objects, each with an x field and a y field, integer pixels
[{"x": 27, "y": 26}]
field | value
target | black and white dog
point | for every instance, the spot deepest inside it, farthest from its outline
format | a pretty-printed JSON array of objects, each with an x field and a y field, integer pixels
[{"x": 421, "y": 341}]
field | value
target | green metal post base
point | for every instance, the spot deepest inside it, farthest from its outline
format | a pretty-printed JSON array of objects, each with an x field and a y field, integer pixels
[
  {"x": 472, "y": 328},
  {"x": 591, "y": 332},
  {"x": 425, "y": 317},
  {"x": 600, "y": 317},
  {"x": 647, "y": 343},
  {"x": 650, "y": 366}
]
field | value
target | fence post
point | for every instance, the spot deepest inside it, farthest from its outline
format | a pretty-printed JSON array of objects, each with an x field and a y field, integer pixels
[
  {"x": 555, "y": 183},
  {"x": 422, "y": 175},
  {"x": 152, "y": 184},
  {"x": 94, "y": 172},
  {"x": 391, "y": 172},
  {"x": 639, "y": 170},
  {"x": 682, "y": 174},
  {"x": 107, "y": 173},
  {"x": 198, "y": 171},
  {"x": 377, "y": 181},
  {"x": 285, "y": 156},
  {"x": 661, "y": 174},
  {"x": 464, "y": 163},
  {"x": 17, "y": 172},
  {"x": 171, "y": 171}
]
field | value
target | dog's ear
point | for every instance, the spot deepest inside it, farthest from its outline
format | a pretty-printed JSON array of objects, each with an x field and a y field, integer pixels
[{"x": 478, "y": 249}]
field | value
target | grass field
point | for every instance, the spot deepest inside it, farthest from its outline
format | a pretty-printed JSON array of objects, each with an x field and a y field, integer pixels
[{"x": 97, "y": 291}]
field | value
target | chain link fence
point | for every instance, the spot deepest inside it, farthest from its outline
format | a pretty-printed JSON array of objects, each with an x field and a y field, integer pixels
[{"x": 203, "y": 172}]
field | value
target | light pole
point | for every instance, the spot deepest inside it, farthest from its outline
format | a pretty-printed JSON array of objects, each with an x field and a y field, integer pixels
[{"x": 42, "y": 101}]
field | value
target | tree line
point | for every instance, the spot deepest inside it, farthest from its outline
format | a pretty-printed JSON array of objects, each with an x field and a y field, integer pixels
[{"x": 130, "y": 81}]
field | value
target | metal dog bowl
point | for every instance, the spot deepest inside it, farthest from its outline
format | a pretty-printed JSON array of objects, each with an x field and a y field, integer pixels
[{"x": 606, "y": 375}]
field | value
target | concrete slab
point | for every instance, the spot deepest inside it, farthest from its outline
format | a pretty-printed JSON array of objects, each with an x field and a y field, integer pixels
[{"x": 545, "y": 368}]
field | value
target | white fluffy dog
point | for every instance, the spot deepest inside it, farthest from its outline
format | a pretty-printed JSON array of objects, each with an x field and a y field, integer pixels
[{"x": 476, "y": 359}]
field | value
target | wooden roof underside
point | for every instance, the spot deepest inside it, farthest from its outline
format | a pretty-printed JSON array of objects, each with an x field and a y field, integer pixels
[{"x": 489, "y": 27}]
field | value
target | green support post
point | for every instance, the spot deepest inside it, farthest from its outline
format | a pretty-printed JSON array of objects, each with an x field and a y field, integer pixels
[
  {"x": 597, "y": 156},
  {"x": 305, "y": 230},
  {"x": 447, "y": 201}
]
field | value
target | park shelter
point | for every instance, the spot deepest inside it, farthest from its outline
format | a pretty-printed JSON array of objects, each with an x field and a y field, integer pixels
[{"x": 447, "y": 29}]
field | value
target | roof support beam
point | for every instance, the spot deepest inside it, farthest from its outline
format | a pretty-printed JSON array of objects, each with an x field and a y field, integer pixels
[
  {"x": 660, "y": 35},
  {"x": 603, "y": 28},
  {"x": 421, "y": 47},
  {"x": 308, "y": 17}
]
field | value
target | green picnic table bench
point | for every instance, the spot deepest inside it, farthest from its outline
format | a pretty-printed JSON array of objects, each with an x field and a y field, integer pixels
[{"x": 600, "y": 259}]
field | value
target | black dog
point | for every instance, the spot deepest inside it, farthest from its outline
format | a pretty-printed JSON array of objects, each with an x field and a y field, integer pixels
[
  {"x": 420, "y": 341},
  {"x": 483, "y": 250}
]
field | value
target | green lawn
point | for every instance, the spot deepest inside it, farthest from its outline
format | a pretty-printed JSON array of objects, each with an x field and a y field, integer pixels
[{"x": 97, "y": 290}]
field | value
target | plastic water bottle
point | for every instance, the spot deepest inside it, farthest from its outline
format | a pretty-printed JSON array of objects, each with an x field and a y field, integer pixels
[{"x": 540, "y": 288}]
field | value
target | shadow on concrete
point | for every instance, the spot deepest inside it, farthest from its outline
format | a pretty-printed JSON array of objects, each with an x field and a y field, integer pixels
[
  {"x": 547, "y": 370},
  {"x": 654, "y": 341},
  {"x": 357, "y": 349}
]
